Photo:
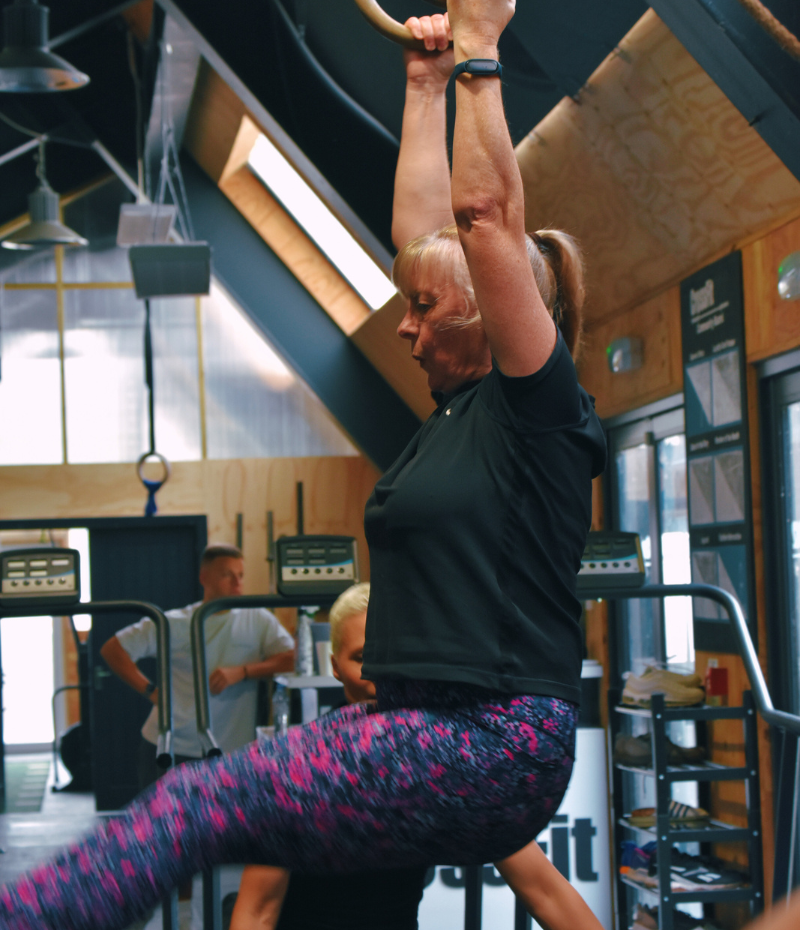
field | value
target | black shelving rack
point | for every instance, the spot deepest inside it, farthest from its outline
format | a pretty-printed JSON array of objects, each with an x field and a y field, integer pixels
[{"x": 665, "y": 833}]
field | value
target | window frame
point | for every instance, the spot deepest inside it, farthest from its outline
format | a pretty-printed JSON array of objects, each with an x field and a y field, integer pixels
[
  {"x": 779, "y": 386},
  {"x": 644, "y": 426}
]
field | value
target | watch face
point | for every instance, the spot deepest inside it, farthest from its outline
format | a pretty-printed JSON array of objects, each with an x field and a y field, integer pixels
[{"x": 482, "y": 66}]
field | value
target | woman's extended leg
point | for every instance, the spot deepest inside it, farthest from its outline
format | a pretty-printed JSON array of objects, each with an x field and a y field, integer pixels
[{"x": 399, "y": 787}]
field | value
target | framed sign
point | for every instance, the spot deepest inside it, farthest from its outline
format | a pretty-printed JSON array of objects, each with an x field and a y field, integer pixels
[{"x": 717, "y": 448}]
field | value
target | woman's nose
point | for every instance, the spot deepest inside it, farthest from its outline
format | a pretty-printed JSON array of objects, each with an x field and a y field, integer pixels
[{"x": 407, "y": 328}]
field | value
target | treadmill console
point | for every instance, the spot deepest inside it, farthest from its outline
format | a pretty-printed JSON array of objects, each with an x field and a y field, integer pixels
[
  {"x": 33, "y": 577},
  {"x": 611, "y": 560},
  {"x": 316, "y": 564}
]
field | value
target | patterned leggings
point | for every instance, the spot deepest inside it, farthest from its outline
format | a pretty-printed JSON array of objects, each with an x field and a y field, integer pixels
[{"x": 437, "y": 773}]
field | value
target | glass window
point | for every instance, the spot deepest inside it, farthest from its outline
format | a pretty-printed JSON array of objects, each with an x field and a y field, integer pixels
[
  {"x": 104, "y": 376},
  {"x": 634, "y": 490},
  {"x": 255, "y": 405},
  {"x": 791, "y": 432},
  {"x": 676, "y": 565},
  {"x": 26, "y": 644},
  {"x": 91, "y": 265},
  {"x": 20, "y": 267},
  {"x": 30, "y": 379},
  {"x": 176, "y": 377},
  {"x": 96, "y": 217},
  {"x": 651, "y": 500}
]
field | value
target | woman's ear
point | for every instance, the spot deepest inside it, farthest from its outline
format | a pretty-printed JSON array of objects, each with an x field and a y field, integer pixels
[{"x": 335, "y": 667}]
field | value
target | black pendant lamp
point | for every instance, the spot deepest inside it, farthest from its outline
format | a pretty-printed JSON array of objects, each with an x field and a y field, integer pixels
[
  {"x": 45, "y": 228},
  {"x": 27, "y": 66}
]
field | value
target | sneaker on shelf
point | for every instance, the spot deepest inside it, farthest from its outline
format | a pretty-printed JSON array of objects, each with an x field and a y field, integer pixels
[
  {"x": 637, "y": 857},
  {"x": 678, "y": 814},
  {"x": 678, "y": 690},
  {"x": 640, "y": 876},
  {"x": 646, "y": 918},
  {"x": 698, "y": 872},
  {"x": 637, "y": 751}
]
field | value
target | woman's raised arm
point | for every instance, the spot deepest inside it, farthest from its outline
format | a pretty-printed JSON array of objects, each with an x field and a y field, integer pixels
[
  {"x": 488, "y": 200},
  {"x": 422, "y": 180}
]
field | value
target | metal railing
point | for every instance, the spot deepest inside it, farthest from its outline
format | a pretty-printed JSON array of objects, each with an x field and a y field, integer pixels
[
  {"x": 164, "y": 753},
  {"x": 786, "y": 834}
]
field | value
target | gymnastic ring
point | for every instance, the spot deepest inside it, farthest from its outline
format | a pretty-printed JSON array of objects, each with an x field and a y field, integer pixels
[
  {"x": 389, "y": 27},
  {"x": 140, "y": 463},
  {"x": 152, "y": 487}
]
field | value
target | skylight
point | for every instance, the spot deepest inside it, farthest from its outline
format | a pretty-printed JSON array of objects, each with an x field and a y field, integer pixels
[{"x": 322, "y": 226}]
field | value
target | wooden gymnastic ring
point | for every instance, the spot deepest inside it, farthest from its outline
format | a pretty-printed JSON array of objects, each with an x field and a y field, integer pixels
[{"x": 389, "y": 27}]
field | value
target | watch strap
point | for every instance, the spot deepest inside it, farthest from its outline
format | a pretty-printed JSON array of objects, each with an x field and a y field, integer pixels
[
  {"x": 149, "y": 689},
  {"x": 479, "y": 67}
]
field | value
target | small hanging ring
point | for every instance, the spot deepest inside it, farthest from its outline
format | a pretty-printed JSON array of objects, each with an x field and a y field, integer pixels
[
  {"x": 389, "y": 27},
  {"x": 151, "y": 485}
]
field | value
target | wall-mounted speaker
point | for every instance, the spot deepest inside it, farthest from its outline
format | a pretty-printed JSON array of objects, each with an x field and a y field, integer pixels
[{"x": 171, "y": 269}]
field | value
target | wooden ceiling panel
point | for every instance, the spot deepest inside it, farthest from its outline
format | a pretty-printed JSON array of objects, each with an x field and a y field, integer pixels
[{"x": 653, "y": 169}]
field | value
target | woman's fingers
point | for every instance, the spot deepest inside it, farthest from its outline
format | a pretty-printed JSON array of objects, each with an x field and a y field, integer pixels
[
  {"x": 414, "y": 26},
  {"x": 428, "y": 36},
  {"x": 434, "y": 31},
  {"x": 441, "y": 30}
]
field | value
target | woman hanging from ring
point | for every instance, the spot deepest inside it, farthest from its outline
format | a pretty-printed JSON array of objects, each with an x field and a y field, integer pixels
[{"x": 475, "y": 537}]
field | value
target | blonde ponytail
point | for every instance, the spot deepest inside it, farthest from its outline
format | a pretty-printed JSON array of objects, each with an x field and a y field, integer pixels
[{"x": 557, "y": 265}]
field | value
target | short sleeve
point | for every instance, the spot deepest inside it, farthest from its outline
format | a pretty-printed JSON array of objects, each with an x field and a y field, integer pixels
[
  {"x": 549, "y": 399},
  {"x": 274, "y": 638},
  {"x": 139, "y": 639}
]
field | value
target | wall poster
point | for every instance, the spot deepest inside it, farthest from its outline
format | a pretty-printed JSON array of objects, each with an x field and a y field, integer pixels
[{"x": 717, "y": 449}]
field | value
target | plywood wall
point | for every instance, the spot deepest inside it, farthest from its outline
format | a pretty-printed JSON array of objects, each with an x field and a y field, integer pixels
[
  {"x": 335, "y": 491},
  {"x": 657, "y": 322},
  {"x": 653, "y": 169}
]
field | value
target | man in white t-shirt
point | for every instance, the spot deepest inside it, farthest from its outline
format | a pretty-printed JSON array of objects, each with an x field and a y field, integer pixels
[{"x": 242, "y": 646}]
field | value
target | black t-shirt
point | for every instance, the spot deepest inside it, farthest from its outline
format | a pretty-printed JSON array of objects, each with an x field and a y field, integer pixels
[
  {"x": 374, "y": 900},
  {"x": 476, "y": 535}
]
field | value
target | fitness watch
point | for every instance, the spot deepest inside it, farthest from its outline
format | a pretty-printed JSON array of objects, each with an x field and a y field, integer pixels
[
  {"x": 149, "y": 689},
  {"x": 479, "y": 67}
]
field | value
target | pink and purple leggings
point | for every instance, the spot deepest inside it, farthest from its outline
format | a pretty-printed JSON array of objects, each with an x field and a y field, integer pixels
[{"x": 438, "y": 773}]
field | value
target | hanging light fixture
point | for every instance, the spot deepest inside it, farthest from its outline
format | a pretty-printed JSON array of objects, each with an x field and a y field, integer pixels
[
  {"x": 45, "y": 228},
  {"x": 26, "y": 63}
]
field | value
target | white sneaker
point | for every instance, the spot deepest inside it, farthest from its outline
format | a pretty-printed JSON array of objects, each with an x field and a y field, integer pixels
[{"x": 678, "y": 690}]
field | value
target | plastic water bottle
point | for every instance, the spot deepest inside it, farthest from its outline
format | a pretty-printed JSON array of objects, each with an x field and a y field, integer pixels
[
  {"x": 304, "y": 660},
  {"x": 280, "y": 708}
]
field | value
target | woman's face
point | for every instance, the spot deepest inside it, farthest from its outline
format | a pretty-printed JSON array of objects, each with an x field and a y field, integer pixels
[
  {"x": 347, "y": 659},
  {"x": 449, "y": 355}
]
